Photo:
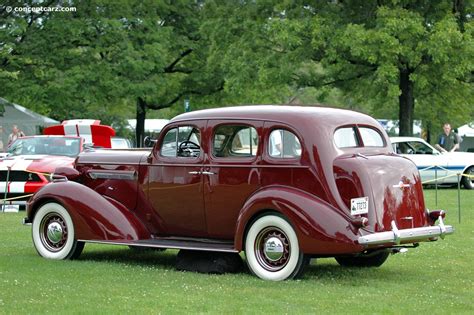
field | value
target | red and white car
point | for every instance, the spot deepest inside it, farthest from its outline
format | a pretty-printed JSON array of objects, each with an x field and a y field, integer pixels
[
  {"x": 32, "y": 160},
  {"x": 91, "y": 130}
]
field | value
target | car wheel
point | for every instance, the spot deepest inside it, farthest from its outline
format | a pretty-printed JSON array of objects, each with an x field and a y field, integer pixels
[
  {"x": 375, "y": 259},
  {"x": 272, "y": 250},
  {"x": 468, "y": 182},
  {"x": 53, "y": 233}
]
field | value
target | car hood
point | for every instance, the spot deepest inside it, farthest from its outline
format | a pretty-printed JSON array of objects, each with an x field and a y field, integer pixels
[
  {"x": 107, "y": 156},
  {"x": 36, "y": 163}
]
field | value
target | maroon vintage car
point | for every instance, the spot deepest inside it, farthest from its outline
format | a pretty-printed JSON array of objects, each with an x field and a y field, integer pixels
[{"x": 281, "y": 183}]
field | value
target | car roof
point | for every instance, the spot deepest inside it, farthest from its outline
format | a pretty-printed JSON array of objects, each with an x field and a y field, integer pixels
[{"x": 290, "y": 114}]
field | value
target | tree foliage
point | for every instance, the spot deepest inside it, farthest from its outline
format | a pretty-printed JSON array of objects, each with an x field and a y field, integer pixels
[
  {"x": 389, "y": 58},
  {"x": 396, "y": 56},
  {"x": 111, "y": 61}
]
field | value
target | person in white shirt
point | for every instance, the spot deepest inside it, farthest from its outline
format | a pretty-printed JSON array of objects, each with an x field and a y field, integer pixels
[{"x": 16, "y": 133}]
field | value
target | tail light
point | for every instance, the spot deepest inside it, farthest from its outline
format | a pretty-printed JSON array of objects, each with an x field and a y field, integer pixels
[
  {"x": 434, "y": 215},
  {"x": 360, "y": 222}
]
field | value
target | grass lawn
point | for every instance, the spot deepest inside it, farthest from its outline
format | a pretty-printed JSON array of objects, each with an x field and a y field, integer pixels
[{"x": 435, "y": 278}]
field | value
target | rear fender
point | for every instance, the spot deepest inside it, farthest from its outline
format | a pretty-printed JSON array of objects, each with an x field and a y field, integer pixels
[
  {"x": 321, "y": 228},
  {"x": 95, "y": 217}
]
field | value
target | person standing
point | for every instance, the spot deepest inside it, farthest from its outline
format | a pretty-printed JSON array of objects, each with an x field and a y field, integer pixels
[
  {"x": 448, "y": 140},
  {"x": 16, "y": 133},
  {"x": 276, "y": 144}
]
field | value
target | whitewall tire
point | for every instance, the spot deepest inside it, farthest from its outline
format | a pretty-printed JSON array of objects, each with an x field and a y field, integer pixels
[
  {"x": 272, "y": 250},
  {"x": 53, "y": 233}
]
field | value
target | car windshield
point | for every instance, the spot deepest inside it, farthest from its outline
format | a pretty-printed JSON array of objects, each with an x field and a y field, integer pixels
[
  {"x": 63, "y": 146},
  {"x": 414, "y": 147},
  {"x": 120, "y": 143}
]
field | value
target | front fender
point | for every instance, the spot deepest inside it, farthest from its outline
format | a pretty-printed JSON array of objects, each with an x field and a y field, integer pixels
[
  {"x": 321, "y": 228},
  {"x": 95, "y": 217}
]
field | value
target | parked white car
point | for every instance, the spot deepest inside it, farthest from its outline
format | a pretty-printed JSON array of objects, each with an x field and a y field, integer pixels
[
  {"x": 433, "y": 164},
  {"x": 120, "y": 143}
]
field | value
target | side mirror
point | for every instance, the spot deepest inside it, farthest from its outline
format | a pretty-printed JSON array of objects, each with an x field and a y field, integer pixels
[{"x": 149, "y": 141}]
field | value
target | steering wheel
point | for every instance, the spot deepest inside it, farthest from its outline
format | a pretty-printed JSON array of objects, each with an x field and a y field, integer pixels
[{"x": 188, "y": 146}]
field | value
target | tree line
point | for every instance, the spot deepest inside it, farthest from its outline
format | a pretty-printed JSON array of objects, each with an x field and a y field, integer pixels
[{"x": 111, "y": 60}]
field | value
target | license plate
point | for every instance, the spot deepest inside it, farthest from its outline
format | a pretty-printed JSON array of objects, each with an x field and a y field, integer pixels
[{"x": 359, "y": 205}]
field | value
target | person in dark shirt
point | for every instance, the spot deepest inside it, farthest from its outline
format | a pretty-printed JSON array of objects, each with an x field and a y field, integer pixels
[{"x": 447, "y": 141}]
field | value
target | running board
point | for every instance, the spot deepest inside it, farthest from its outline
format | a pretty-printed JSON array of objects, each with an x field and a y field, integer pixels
[{"x": 173, "y": 243}]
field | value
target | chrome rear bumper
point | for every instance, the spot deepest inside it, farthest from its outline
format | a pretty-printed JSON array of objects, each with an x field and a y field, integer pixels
[{"x": 397, "y": 236}]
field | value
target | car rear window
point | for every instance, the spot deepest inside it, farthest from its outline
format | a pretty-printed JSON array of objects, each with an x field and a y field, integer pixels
[
  {"x": 371, "y": 137},
  {"x": 353, "y": 136},
  {"x": 346, "y": 137}
]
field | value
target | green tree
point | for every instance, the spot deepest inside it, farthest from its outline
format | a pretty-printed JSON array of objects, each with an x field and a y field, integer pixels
[
  {"x": 388, "y": 57},
  {"x": 104, "y": 57},
  {"x": 393, "y": 55},
  {"x": 111, "y": 60}
]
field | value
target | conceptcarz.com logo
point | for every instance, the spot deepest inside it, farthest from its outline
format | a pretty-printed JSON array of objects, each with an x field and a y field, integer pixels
[{"x": 26, "y": 9}]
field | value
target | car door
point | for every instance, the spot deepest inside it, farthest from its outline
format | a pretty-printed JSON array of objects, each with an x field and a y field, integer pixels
[
  {"x": 175, "y": 187},
  {"x": 231, "y": 172}
]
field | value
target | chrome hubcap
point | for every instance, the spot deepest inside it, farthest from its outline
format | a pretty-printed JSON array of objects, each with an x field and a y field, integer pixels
[
  {"x": 55, "y": 232},
  {"x": 273, "y": 249}
]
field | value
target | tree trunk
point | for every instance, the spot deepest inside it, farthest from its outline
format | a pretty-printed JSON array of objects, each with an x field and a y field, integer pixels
[
  {"x": 459, "y": 10},
  {"x": 428, "y": 132},
  {"x": 406, "y": 103},
  {"x": 140, "y": 127}
]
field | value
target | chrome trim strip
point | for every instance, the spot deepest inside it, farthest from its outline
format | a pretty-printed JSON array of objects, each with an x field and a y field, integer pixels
[
  {"x": 215, "y": 165},
  {"x": 207, "y": 173},
  {"x": 397, "y": 236},
  {"x": 162, "y": 246},
  {"x": 125, "y": 175}
]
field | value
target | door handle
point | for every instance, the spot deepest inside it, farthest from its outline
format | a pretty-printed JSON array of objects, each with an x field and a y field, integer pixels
[
  {"x": 208, "y": 173},
  {"x": 194, "y": 173}
]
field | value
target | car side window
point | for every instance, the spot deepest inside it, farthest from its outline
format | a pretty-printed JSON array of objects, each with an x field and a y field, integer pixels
[
  {"x": 182, "y": 141},
  {"x": 235, "y": 141},
  {"x": 284, "y": 144}
]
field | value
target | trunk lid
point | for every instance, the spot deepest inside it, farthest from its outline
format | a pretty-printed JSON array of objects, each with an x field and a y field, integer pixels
[{"x": 392, "y": 185}]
